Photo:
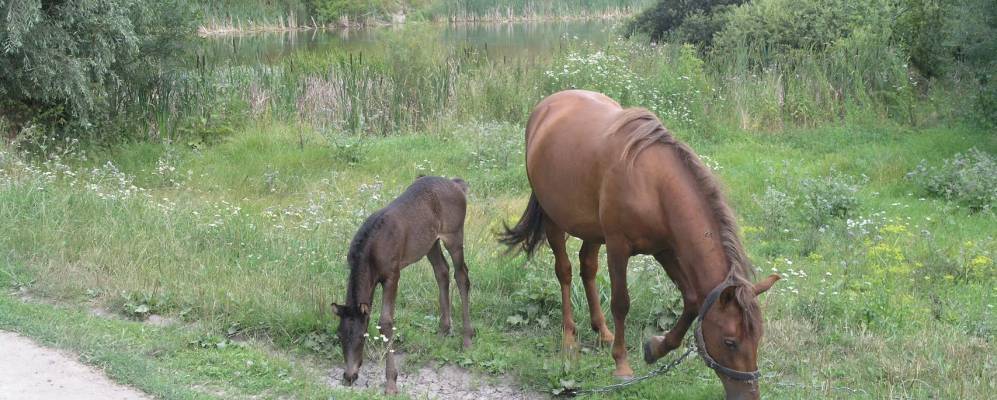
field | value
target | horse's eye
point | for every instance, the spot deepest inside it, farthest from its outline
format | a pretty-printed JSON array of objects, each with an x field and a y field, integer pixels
[{"x": 730, "y": 344}]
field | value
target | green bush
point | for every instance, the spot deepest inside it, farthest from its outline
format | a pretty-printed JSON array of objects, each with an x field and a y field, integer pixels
[
  {"x": 704, "y": 18},
  {"x": 776, "y": 208},
  {"x": 76, "y": 62},
  {"x": 827, "y": 197},
  {"x": 969, "y": 178},
  {"x": 920, "y": 29},
  {"x": 782, "y": 26}
]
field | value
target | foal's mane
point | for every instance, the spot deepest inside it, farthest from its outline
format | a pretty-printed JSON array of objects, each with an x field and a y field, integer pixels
[
  {"x": 644, "y": 130},
  {"x": 357, "y": 257}
]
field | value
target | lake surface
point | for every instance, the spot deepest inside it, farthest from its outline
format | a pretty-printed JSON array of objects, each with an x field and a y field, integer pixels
[{"x": 497, "y": 41}]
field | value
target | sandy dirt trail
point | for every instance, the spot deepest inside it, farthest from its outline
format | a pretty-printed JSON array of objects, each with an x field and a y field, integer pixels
[{"x": 31, "y": 372}]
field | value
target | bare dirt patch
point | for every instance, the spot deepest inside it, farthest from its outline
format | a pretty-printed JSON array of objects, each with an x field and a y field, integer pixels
[
  {"x": 31, "y": 372},
  {"x": 444, "y": 383}
]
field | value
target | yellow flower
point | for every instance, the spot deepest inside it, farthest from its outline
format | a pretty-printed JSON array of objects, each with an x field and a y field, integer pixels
[
  {"x": 980, "y": 261},
  {"x": 894, "y": 229}
]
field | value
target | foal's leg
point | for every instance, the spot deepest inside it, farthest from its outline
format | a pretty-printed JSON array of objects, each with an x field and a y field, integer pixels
[
  {"x": 456, "y": 248},
  {"x": 387, "y": 322},
  {"x": 618, "y": 253},
  {"x": 442, "y": 271},
  {"x": 562, "y": 268},
  {"x": 588, "y": 257},
  {"x": 659, "y": 346}
]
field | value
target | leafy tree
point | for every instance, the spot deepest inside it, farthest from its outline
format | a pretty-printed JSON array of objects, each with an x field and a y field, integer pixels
[
  {"x": 780, "y": 26},
  {"x": 693, "y": 21},
  {"x": 76, "y": 61}
]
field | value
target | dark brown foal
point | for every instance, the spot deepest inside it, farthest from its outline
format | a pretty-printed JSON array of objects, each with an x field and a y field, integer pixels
[{"x": 430, "y": 211}]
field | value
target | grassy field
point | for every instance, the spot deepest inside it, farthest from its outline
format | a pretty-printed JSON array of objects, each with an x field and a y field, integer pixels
[
  {"x": 231, "y": 203},
  {"x": 248, "y": 238}
]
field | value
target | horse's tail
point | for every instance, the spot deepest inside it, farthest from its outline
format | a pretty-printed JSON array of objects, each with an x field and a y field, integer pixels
[{"x": 528, "y": 232}]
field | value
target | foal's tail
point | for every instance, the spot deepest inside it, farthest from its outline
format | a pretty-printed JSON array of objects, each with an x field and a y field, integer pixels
[{"x": 528, "y": 232}]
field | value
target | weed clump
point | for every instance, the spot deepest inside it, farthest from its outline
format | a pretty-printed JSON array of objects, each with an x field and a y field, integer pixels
[
  {"x": 827, "y": 197},
  {"x": 969, "y": 178}
]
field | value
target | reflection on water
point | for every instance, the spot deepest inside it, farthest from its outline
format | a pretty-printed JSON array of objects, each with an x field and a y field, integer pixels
[{"x": 498, "y": 41}]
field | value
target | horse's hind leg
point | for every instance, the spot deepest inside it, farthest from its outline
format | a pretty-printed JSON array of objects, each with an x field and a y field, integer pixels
[
  {"x": 389, "y": 289},
  {"x": 442, "y": 272},
  {"x": 588, "y": 257},
  {"x": 562, "y": 268},
  {"x": 455, "y": 245}
]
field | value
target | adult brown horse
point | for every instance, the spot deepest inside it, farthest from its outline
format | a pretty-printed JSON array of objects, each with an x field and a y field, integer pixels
[{"x": 616, "y": 176}]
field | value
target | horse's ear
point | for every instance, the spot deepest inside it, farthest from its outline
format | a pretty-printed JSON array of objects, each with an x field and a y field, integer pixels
[
  {"x": 766, "y": 283},
  {"x": 728, "y": 295},
  {"x": 365, "y": 309},
  {"x": 337, "y": 309}
]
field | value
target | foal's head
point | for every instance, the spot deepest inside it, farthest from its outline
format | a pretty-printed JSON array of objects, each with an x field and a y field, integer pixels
[
  {"x": 732, "y": 330},
  {"x": 353, "y": 322}
]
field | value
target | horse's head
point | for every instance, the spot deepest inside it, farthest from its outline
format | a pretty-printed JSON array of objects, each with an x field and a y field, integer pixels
[
  {"x": 731, "y": 329},
  {"x": 352, "y": 335}
]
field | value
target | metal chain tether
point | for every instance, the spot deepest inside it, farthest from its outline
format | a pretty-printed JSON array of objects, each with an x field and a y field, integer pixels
[{"x": 664, "y": 369}]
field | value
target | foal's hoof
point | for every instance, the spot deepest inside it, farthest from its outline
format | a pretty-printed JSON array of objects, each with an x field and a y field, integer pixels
[
  {"x": 467, "y": 343},
  {"x": 391, "y": 390}
]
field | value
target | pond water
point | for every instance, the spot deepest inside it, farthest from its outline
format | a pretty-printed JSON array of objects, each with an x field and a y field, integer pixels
[{"x": 497, "y": 41}]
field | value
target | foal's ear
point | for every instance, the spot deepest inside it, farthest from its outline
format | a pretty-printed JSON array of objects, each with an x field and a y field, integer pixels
[
  {"x": 365, "y": 309},
  {"x": 338, "y": 309},
  {"x": 766, "y": 283}
]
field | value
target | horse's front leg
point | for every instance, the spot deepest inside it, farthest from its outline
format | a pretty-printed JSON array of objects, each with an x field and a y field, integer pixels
[
  {"x": 387, "y": 322},
  {"x": 618, "y": 254},
  {"x": 659, "y": 346}
]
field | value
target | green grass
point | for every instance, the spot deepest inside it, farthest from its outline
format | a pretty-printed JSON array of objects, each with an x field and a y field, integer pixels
[
  {"x": 903, "y": 316},
  {"x": 237, "y": 220},
  {"x": 182, "y": 362}
]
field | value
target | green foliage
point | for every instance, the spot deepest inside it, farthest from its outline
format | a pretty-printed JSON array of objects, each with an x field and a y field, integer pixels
[
  {"x": 827, "y": 197},
  {"x": 535, "y": 304},
  {"x": 781, "y": 26},
  {"x": 970, "y": 178},
  {"x": 79, "y": 62},
  {"x": 333, "y": 10},
  {"x": 694, "y": 21},
  {"x": 920, "y": 28},
  {"x": 777, "y": 208}
]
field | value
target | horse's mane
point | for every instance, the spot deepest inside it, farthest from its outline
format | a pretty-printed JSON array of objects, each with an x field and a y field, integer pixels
[{"x": 644, "y": 129}]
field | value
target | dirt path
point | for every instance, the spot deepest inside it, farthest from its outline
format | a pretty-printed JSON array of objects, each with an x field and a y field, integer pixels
[
  {"x": 444, "y": 383},
  {"x": 31, "y": 372}
]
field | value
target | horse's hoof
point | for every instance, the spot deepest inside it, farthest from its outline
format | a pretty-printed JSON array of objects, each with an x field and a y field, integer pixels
[
  {"x": 624, "y": 378},
  {"x": 391, "y": 390},
  {"x": 648, "y": 357},
  {"x": 467, "y": 343},
  {"x": 623, "y": 373}
]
